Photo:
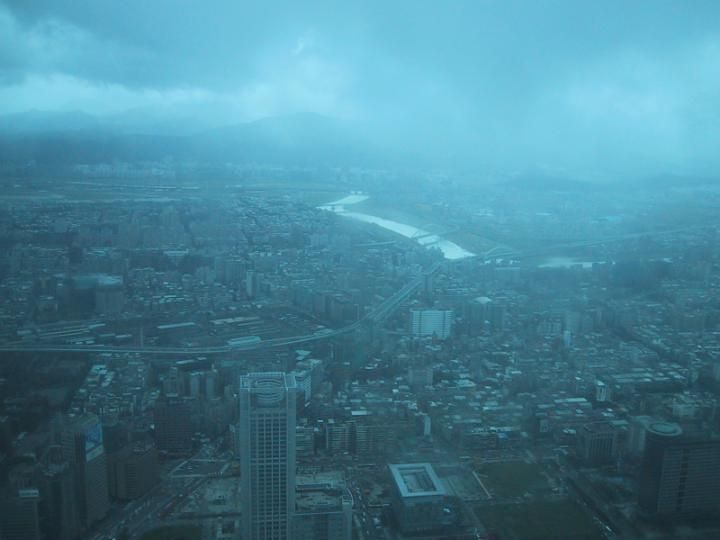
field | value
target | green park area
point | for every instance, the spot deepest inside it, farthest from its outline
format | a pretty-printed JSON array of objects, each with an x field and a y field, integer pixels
[
  {"x": 173, "y": 532},
  {"x": 539, "y": 520},
  {"x": 512, "y": 478}
]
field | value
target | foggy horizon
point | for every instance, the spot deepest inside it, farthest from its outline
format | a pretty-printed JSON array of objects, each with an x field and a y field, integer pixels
[{"x": 590, "y": 89}]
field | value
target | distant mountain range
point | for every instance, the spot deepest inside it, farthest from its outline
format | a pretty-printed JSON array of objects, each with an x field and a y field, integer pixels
[
  {"x": 305, "y": 139},
  {"x": 61, "y": 139}
]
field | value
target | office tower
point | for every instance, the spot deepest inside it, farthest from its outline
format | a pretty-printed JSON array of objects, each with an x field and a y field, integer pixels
[
  {"x": 337, "y": 436},
  {"x": 211, "y": 384},
  {"x": 115, "y": 434},
  {"x": 476, "y": 315},
  {"x": 482, "y": 315},
  {"x": 431, "y": 322},
  {"x": 428, "y": 288},
  {"x": 110, "y": 295},
  {"x": 679, "y": 477},
  {"x": 253, "y": 284},
  {"x": 323, "y": 510},
  {"x": 369, "y": 435},
  {"x": 173, "y": 429},
  {"x": 267, "y": 454},
  {"x": 173, "y": 383},
  {"x": 598, "y": 443},
  {"x": 135, "y": 470},
  {"x": 19, "y": 519},
  {"x": 83, "y": 447},
  {"x": 195, "y": 380},
  {"x": 305, "y": 441},
  {"x": 309, "y": 374},
  {"x": 420, "y": 374},
  {"x": 6, "y": 446},
  {"x": 58, "y": 508},
  {"x": 602, "y": 391}
]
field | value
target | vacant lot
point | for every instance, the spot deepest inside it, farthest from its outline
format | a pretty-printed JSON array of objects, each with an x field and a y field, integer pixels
[
  {"x": 539, "y": 520},
  {"x": 512, "y": 478}
]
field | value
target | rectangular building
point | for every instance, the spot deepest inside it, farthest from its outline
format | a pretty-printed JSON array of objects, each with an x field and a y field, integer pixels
[
  {"x": 322, "y": 513},
  {"x": 173, "y": 427},
  {"x": 680, "y": 478},
  {"x": 431, "y": 323},
  {"x": 84, "y": 449},
  {"x": 420, "y": 501}
]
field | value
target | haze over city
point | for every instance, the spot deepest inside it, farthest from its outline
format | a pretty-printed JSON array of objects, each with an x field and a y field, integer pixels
[
  {"x": 593, "y": 89},
  {"x": 334, "y": 270}
]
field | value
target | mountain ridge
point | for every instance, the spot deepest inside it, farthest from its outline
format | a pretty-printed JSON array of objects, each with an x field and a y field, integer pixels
[{"x": 296, "y": 139}]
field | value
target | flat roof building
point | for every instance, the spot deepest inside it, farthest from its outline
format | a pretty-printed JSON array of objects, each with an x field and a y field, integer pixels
[
  {"x": 420, "y": 501},
  {"x": 417, "y": 480},
  {"x": 322, "y": 512},
  {"x": 679, "y": 477}
]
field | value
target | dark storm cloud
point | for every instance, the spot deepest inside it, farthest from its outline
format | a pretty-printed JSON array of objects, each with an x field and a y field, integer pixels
[
  {"x": 568, "y": 83},
  {"x": 143, "y": 44}
]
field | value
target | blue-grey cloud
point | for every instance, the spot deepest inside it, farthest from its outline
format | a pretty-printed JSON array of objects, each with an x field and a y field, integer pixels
[{"x": 556, "y": 83}]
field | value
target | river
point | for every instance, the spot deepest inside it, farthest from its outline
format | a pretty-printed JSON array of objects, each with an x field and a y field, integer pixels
[
  {"x": 450, "y": 250},
  {"x": 565, "y": 262}
]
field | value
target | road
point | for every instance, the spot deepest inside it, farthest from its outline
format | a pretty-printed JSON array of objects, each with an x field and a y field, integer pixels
[{"x": 367, "y": 526}]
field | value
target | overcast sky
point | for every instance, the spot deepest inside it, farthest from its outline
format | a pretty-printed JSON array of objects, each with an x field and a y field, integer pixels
[{"x": 559, "y": 84}]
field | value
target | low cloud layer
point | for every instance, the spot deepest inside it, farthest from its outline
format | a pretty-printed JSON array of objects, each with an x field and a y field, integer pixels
[{"x": 571, "y": 86}]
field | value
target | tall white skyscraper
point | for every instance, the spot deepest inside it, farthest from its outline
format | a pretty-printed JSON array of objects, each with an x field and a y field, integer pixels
[{"x": 267, "y": 454}]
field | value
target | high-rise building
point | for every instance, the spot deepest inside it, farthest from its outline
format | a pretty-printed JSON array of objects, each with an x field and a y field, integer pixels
[
  {"x": 173, "y": 383},
  {"x": 253, "y": 284},
  {"x": 83, "y": 447},
  {"x": 110, "y": 296},
  {"x": 195, "y": 379},
  {"x": 134, "y": 470},
  {"x": 337, "y": 436},
  {"x": 323, "y": 510},
  {"x": 602, "y": 391},
  {"x": 267, "y": 454},
  {"x": 598, "y": 443},
  {"x": 173, "y": 428},
  {"x": 431, "y": 322},
  {"x": 482, "y": 315},
  {"x": 305, "y": 441},
  {"x": 679, "y": 477},
  {"x": 369, "y": 435},
  {"x": 19, "y": 518},
  {"x": 6, "y": 446},
  {"x": 58, "y": 508}
]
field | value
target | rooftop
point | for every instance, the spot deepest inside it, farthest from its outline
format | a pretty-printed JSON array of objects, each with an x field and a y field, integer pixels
[
  {"x": 307, "y": 500},
  {"x": 417, "y": 480}
]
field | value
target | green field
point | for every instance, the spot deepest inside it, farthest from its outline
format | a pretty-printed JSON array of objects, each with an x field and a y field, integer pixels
[
  {"x": 513, "y": 478},
  {"x": 539, "y": 520},
  {"x": 173, "y": 532}
]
